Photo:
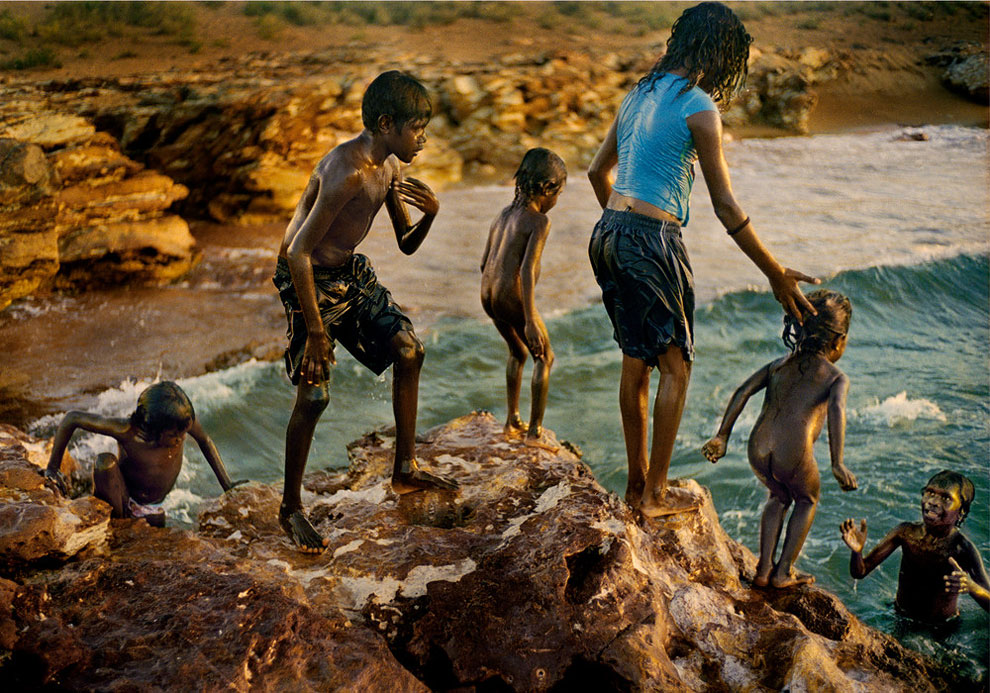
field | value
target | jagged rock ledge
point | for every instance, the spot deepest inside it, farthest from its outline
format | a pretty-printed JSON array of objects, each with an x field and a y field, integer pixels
[{"x": 531, "y": 578}]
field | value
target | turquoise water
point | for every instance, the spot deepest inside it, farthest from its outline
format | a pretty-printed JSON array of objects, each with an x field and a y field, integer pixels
[{"x": 912, "y": 257}]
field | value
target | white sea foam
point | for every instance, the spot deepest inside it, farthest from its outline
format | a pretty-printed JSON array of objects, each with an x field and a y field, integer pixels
[{"x": 900, "y": 408}]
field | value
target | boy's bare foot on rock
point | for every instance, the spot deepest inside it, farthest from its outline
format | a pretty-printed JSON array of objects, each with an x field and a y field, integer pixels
[
  {"x": 791, "y": 579},
  {"x": 416, "y": 479},
  {"x": 540, "y": 439},
  {"x": 669, "y": 501},
  {"x": 762, "y": 577},
  {"x": 301, "y": 531}
]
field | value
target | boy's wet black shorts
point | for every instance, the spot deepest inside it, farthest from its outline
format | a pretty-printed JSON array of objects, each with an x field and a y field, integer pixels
[
  {"x": 356, "y": 310},
  {"x": 647, "y": 284}
]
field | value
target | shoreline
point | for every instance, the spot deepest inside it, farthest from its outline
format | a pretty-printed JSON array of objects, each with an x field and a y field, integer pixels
[{"x": 223, "y": 313}]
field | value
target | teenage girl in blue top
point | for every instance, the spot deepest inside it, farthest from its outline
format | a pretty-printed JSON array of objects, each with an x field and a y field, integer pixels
[{"x": 669, "y": 120}]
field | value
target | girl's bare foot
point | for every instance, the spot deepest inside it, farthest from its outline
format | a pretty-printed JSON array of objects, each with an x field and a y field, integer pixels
[
  {"x": 669, "y": 501},
  {"x": 301, "y": 531},
  {"x": 792, "y": 578}
]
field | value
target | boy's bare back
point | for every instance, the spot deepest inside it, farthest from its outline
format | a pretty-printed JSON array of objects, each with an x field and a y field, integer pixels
[{"x": 514, "y": 233}]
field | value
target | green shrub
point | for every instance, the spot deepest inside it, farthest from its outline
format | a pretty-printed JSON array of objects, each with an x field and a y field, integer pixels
[
  {"x": 11, "y": 27},
  {"x": 36, "y": 57}
]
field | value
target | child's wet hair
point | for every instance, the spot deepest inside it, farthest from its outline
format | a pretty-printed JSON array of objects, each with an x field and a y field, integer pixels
[
  {"x": 817, "y": 332},
  {"x": 711, "y": 42},
  {"x": 540, "y": 171},
  {"x": 398, "y": 95},
  {"x": 950, "y": 479},
  {"x": 162, "y": 408}
]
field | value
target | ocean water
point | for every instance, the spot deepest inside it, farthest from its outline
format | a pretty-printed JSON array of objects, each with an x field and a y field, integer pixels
[{"x": 901, "y": 226}]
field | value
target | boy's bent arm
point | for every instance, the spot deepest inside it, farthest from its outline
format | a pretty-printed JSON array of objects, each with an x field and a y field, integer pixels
[
  {"x": 419, "y": 195},
  {"x": 115, "y": 428},
  {"x": 211, "y": 454},
  {"x": 706, "y": 128},
  {"x": 974, "y": 575},
  {"x": 601, "y": 166},
  {"x": 331, "y": 196},
  {"x": 837, "y": 432},
  {"x": 860, "y": 567},
  {"x": 527, "y": 275},
  {"x": 715, "y": 448}
]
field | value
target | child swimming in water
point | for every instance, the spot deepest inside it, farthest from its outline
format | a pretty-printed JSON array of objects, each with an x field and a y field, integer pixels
[
  {"x": 510, "y": 268},
  {"x": 803, "y": 388},
  {"x": 938, "y": 562},
  {"x": 136, "y": 480}
]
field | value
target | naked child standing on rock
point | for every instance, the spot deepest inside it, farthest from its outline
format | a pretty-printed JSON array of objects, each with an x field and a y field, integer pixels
[{"x": 331, "y": 293}]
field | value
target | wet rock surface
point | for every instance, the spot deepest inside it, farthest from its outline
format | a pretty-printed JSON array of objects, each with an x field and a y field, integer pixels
[{"x": 530, "y": 578}]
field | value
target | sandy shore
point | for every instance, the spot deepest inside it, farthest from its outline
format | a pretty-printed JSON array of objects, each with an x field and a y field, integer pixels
[{"x": 60, "y": 351}]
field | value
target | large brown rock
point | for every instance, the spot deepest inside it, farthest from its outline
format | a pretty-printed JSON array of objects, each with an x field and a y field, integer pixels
[{"x": 530, "y": 578}]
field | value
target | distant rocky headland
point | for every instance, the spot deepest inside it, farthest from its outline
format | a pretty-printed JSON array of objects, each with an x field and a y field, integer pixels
[
  {"x": 98, "y": 176},
  {"x": 531, "y": 578}
]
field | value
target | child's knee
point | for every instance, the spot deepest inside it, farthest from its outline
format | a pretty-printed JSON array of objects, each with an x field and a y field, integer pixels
[
  {"x": 547, "y": 358},
  {"x": 407, "y": 348},
  {"x": 313, "y": 400},
  {"x": 105, "y": 462}
]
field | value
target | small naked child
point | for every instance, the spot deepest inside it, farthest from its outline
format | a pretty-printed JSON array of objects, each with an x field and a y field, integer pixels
[
  {"x": 136, "y": 480},
  {"x": 802, "y": 388},
  {"x": 510, "y": 268}
]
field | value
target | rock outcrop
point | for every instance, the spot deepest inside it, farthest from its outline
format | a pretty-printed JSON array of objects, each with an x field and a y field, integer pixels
[
  {"x": 76, "y": 212},
  {"x": 531, "y": 578}
]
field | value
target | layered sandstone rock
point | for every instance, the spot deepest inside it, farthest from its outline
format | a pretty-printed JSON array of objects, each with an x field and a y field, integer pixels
[
  {"x": 530, "y": 578},
  {"x": 76, "y": 212}
]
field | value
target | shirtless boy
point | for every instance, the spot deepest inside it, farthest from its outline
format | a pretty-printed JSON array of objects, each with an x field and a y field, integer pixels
[
  {"x": 510, "y": 268},
  {"x": 938, "y": 562},
  {"x": 802, "y": 389},
  {"x": 136, "y": 480},
  {"x": 331, "y": 293}
]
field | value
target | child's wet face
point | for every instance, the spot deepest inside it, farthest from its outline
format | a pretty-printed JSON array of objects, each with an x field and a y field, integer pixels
[
  {"x": 409, "y": 140},
  {"x": 172, "y": 438},
  {"x": 941, "y": 506}
]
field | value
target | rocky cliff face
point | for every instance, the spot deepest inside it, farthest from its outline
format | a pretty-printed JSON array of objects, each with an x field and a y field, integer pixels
[
  {"x": 76, "y": 212},
  {"x": 531, "y": 578}
]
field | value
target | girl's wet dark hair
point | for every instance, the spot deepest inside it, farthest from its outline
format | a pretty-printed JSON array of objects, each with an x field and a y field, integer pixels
[
  {"x": 540, "y": 171},
  {"x": 711, "y": 42},
  {"x": 398, "y": 95},
  {"x": 161, "y": 408},
  {"x": 949, "y": 479},
  {"x": 817, "y": 332}
]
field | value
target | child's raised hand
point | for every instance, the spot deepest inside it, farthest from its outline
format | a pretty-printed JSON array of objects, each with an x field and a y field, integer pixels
[
  {"x": 415, "y": 192},
  {"x": 714, "y": 449},
  {"x": 854, "y": 537},
  {"x": 958, "y": 581},
  {"x": 846, "y": 479}
]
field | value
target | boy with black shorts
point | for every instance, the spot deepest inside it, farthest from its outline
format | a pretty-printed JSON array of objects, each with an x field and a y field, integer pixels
[{"x": 331, "y": 293}]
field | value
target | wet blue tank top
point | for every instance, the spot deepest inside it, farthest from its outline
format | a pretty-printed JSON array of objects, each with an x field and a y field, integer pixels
[{"x": 655, "y": 147}]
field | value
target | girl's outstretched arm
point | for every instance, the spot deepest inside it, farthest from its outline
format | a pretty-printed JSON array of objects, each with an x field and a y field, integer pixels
[
  {"x": 715, "y": 448},
  {"x": 706, "y": 128},
  {"x": 837, "y": 432}
]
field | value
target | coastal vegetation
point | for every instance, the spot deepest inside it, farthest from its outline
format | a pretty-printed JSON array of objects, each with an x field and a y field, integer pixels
[{"x": 48, "y": 35}]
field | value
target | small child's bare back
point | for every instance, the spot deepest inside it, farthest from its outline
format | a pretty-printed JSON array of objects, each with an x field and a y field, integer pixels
[
  {"x": 509, "y": 239},
  {"x": 794, "y": 408}
]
